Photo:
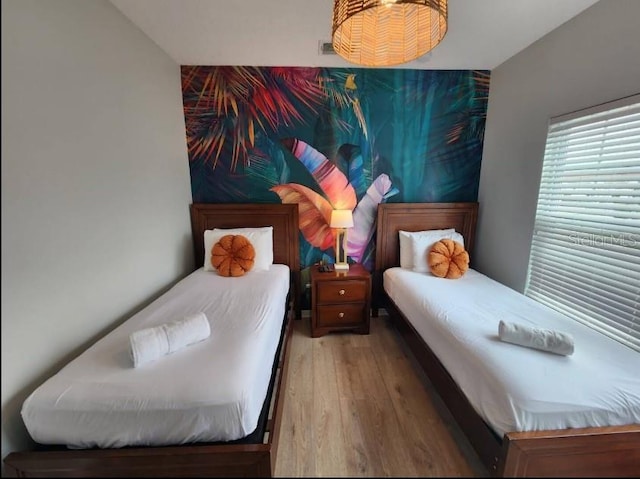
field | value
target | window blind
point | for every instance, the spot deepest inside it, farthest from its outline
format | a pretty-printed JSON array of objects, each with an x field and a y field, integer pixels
[{"x": 585, "y": 250}]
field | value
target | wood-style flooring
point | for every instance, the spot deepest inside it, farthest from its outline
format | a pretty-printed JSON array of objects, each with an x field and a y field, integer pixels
[{"x": 358, "y": 405}]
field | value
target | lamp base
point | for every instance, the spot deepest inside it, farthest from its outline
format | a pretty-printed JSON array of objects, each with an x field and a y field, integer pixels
[{"x": 341, "y": 266}]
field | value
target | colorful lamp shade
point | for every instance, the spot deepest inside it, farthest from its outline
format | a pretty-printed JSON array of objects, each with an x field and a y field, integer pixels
[{"x": 387, "y": 32}]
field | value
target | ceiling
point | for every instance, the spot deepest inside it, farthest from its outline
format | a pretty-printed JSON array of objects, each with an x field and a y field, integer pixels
[{"x": 482, "y": 34}]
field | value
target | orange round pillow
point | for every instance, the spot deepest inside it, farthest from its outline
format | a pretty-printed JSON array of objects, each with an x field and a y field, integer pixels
[
  {"x": 233, "y": 255},
  {"x": 448, "y": 259}
]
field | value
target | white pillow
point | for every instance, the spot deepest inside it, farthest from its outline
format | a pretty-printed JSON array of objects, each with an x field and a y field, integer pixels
[
  {"x": 261, "y": 239},
  {"x": 406, "y": 246},
  {"x": 422, "y": 244}
]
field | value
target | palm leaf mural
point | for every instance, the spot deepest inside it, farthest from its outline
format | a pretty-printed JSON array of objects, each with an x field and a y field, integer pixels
[
  {"x": 314, "y": 213},
  {"x": 349, "y": 159},
  {"x": 470, "y": 124},
  {"x": 314, "y": 209},
  {"x": 226, "y": 106},
  {"x": 230, "y": 102},
  {"x": 334, "y": 183},
  {"x": 330, "y": 138},
  {"x": 413, "y": 137},
  {"x": 364, "y": 216}
]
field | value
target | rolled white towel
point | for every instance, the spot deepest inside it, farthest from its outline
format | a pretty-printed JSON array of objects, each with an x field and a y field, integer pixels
[
  {"x": 543, "y": 339},
  {"x": 151, "y": 343},
  {"x": 148, "y": 345}
]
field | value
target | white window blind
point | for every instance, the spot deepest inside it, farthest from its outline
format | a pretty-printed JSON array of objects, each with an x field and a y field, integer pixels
[{"x": 585, "y": 251}]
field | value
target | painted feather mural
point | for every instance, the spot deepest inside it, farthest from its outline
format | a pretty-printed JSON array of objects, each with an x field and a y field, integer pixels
[{"x": 334, "y": 138}]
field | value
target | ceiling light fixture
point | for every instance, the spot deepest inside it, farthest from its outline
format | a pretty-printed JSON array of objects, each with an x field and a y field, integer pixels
[{"x": 387, "y": 32}]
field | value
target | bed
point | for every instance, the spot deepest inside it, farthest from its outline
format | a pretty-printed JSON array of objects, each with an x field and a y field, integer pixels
[
  {"x": 213, "y": 408},
  {"x": 509, "y": 443}
]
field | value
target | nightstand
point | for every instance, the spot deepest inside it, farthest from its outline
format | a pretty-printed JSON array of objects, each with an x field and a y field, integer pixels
[{"x": 340, "y": 300}]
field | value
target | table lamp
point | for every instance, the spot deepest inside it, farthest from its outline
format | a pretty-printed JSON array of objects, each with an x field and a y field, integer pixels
[{"x": 341, "y": 220}]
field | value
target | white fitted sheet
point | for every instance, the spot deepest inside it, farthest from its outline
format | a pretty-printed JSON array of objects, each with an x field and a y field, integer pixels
[
  {"x": 209, "y": 391},
  {"x": 514, "y": 388}
]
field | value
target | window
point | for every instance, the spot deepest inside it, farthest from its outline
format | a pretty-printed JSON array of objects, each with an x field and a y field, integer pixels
[{"x": 585, "y": 251}]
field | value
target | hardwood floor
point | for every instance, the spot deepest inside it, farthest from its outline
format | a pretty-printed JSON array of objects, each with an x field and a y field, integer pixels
[{"x": 358, "y": 405}]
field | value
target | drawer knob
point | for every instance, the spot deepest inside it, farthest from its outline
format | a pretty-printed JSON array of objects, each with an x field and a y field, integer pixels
[
  {"x": 341, "y": 315},
  {"x": 341, "y": 292}
]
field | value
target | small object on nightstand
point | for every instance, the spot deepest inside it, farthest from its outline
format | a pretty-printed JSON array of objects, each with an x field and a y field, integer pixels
[
  {"x": 325, "y": 268},
  {"x": 340, "y": 301}
]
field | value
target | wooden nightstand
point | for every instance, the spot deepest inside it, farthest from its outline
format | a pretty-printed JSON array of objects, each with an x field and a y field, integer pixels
[{"x": 340, "y": 300}]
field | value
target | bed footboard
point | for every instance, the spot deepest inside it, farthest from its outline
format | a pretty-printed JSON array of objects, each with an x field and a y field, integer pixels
[
  {"x": 601, "y": 452},
  {"x": 203, "y": 461}
]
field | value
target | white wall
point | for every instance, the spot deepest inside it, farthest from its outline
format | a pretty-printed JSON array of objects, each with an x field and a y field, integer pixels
[
  {"x": 593, "y": 58},
  {"x": 95, "y": 185}
]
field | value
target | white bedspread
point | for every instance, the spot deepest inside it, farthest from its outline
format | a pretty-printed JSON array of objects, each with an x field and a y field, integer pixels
[
  {"x": 512, "y": 387},
  {"x": 209, "y": 391}
]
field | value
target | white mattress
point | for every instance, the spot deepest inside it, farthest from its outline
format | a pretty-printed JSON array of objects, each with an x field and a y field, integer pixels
[
  {"x": 515, "y": 388},
  {"x": 209, "y": 391}
]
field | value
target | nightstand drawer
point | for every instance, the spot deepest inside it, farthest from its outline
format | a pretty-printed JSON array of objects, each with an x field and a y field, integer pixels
[
  {"x": 341, "y": 291},
  {"x": 340, "y": 314}
]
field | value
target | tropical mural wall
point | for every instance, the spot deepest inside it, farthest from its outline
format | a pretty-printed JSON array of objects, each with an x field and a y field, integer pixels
[{"x": 334, "y": 138}]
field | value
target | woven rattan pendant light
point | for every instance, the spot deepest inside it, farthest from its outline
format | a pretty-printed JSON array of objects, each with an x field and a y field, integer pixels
[{"x": 387, "y": 32}]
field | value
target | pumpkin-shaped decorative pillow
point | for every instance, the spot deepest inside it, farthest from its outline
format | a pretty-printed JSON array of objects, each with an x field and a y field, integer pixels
[
  {"x": 448, "y": 259},
  {"x": 233, "y": 255}
]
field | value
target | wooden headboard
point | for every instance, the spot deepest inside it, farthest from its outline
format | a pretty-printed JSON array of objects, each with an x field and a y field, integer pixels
[
  {"x": 393, "y": 217},
  {"x": 283, "y": 218}
]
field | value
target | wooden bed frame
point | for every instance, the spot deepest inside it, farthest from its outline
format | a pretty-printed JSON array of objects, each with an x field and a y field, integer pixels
[
  {"x": 598, "y": 451},
  {"x": 234, "y": 459}
]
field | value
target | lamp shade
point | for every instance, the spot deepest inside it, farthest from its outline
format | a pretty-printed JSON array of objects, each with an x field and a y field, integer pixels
[
  {"x": 341, "y": 219},
  {"x": 387, "y": 32}
]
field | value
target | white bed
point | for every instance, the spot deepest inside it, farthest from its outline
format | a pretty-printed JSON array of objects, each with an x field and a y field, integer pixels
[
  {"x": 514, "y": 388},
  {"x": 177, "y": 384},
  {"x": 210, "y": 391},
  {"x": 504, "y": 390}
]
